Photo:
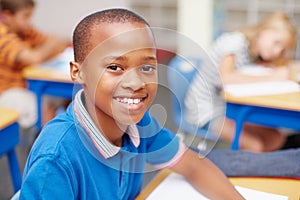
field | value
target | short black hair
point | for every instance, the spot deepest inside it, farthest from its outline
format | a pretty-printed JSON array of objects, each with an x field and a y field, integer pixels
[
  {"x": 15, "y": 5},
  {"x": 82, "y": 32}
]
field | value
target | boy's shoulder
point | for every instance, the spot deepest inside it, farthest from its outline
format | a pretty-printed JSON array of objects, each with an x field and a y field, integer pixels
[
  {"x": 231, "y": 42},
  {"x": 56, "y": 136}
]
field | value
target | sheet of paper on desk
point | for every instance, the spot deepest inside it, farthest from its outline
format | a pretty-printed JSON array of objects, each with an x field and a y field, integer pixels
[
  {"x": 61, "y": 61},
  {"x": 175, "y": 187},
  {"x": 262, "y": 88},
  {"x": 255, "y": 70}
]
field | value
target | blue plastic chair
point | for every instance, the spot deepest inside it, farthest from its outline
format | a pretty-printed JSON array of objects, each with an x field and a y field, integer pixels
[
  {"x": 9, "y": 139},
  {"x": 181, "y": 72}
]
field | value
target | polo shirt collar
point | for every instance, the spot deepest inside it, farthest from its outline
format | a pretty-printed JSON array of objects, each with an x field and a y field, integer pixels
[{"x": 106, "y": 148}]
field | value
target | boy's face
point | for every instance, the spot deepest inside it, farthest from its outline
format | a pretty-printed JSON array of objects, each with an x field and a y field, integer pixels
[
  {"x": 120, "y": 73},
  {"x": 21, "y": 20}
]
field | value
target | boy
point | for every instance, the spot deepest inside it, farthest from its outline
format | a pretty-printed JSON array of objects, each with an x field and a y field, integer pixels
[
  {"x": 99, "y": 147},
  {"x": 22, "y": 45}
]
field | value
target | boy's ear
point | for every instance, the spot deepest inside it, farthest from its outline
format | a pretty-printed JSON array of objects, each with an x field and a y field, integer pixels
[{"x": 75, "y": 71}]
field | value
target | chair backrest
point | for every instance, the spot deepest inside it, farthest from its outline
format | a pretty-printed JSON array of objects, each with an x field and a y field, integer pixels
[{"x": 180, "y": 74}]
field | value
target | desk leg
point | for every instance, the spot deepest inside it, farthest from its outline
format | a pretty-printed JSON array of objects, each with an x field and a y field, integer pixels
[
  {"x": 37, "y": 88},
  {"x": 14, "y": 170},
  {"x": 240, "y": 118}
]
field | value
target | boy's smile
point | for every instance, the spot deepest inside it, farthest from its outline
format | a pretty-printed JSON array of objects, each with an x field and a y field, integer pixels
[{"x": 131, "y": 103}]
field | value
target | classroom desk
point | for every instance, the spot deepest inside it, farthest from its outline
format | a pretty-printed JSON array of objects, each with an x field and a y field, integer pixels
[
  {"x": 282, "y": 186},
  {"x": 279, "y": 111},
  {"x": 9, "y": 138},
  {"x": 45, "y": 81}
]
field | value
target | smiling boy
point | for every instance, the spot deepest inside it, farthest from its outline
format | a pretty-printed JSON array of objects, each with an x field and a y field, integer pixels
[{"x": 99, "y": 147}]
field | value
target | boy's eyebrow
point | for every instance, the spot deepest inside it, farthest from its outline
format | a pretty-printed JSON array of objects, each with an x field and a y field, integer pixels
[
  {"x": 150, "y": 58},
  {"x": 117, "y": 58},
  {"x": 124, "y": 58}
]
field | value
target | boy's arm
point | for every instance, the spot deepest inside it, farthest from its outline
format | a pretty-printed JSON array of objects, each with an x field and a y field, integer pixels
[
  {"x": 49, "y": 48},
  {"x": 205, "y": 177}
]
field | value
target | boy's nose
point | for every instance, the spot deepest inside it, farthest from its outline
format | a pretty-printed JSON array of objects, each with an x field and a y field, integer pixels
[{"x": 133, "y": 80}]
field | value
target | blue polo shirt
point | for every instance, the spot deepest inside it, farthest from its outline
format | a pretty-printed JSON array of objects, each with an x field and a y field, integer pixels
[{"x": 71, "y": 159}]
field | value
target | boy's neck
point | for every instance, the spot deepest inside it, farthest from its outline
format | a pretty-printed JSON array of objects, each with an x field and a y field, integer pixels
[{"x": 112, "y": 131}]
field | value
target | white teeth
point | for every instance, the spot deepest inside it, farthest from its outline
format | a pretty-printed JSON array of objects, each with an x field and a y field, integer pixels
[{"x": 128, "y": 100}]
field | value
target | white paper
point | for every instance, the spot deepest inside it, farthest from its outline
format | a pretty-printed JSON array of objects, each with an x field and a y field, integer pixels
[
  {"x": 255, "y": 70},
  {"x": 61, "y": 61},
  {"x": 262, "y": 88},
  {"x": 175, "y": 187}
]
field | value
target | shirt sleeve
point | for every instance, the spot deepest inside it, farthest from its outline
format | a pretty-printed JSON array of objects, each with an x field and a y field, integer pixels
[
  {"x": 33, "y": 37},
  {"x": 12, "y": 44},
  {"x": 230, "y": 43},
  {"x": 10, "y": 47},
  {"x": 47, "y": 179}
]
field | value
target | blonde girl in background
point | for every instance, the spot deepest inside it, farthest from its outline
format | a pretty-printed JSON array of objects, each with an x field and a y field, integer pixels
[{"x": 269, "y": 44}]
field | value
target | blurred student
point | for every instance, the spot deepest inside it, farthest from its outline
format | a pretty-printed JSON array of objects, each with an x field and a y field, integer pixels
[
  {"x": 281, "y": 163},
  {"x": 99, "y": 147},
  {"x": 22, "y": 45},
  {"x": 270, "y": 44}
]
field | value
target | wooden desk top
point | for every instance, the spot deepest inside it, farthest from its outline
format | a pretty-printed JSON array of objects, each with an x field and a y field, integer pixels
[
  {"x": 40, "y": 73},
  {"x": 281, "y": 186},
  {"x": 7, "y": 117},
  {"x": 55, "y": 69},
  {"x": 153, "y": 184},
  {"x": 288, "y": 101}
]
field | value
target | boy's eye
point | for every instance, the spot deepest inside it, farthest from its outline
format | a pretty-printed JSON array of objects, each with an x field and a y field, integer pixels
[
  {"x": 148, "y": 68},
  {"x": 114, "y": 68}
]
